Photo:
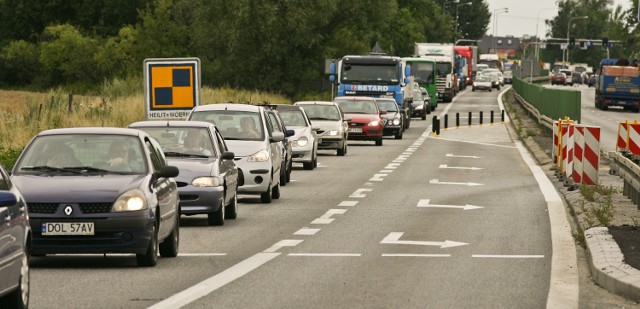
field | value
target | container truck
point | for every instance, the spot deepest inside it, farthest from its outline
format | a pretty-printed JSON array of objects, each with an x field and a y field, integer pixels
[
  {"x": 445, "y": 57},
  {"x": 617, "y": 86},
  {"x": 424, "y": 73},
  {"x": 470, "y": 53},
  {"x": 492, "y": 60}
]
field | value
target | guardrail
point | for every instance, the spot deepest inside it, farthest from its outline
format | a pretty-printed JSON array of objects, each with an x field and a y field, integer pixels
[
  {"x": 552, "y": 103},
  {"x": 628, "y": 170}
]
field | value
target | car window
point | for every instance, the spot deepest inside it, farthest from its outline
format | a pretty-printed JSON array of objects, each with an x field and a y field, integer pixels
[
  {"x": 270, "y": 126},
  {"x": 388, "y": 106},
  {"x": 156, "y": 159},
  {"x": 4, "y": 181},
  {"x": 234, "y": 125},
  {"x": 293, "y": 118},
  {"x": 321, "y": 111},
  {"x": 178, "y": 141},
  {"x": 357, "y": 106},
  {"x": 274, "y": 121},
  {"x": 220, "y": 141}
]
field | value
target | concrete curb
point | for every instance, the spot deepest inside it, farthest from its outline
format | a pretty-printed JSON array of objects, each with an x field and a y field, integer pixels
[{"x": 607, "y": 265}]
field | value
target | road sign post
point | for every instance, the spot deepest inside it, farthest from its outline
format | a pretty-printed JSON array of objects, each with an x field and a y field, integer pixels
[{"x": 171, "y": 87}]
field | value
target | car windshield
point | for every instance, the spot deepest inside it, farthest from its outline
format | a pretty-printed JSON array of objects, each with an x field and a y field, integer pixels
[
  {"x": 370, "y": 73},
  {"x": 422, "y": 71},
  {"x": 71, "y": 154},
  {"x": 482, "y": 78},
  {"x": 183, "y": 141},
  {"x": 293, "y": 118},
  {"x": 234, "y": 125},
  {"x": 321, "y": 112},
  {"x": 357, "y": 106},
  {"x": 388, "y": 106}
]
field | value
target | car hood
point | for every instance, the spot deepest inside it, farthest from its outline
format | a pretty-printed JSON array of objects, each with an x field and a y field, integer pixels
[
  {"x": 327, "y": 125},
  {"x": 75, "y": 189},
  {"x": 362, "y": 118},
  {"x": 191, "y": 168},
  {"x": 245, "y": 148},
  {"x": 300, "y": 132},
  {"x": 390, "y": 115}
]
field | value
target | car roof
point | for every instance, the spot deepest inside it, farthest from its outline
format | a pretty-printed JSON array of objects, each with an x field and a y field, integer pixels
[
  {"x": 354, "y": 98},
  {"x": 284, "y": 107},
  {"x": 171, "y": 123},
  {"x": 227, "y": 106},
  {"x": 92, "y": 130},
  {"x": 315, "y": 102}
]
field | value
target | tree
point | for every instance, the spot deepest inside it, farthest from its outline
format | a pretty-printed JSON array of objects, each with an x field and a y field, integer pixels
[
  {"x": 19, "y": 61},
  {"x": 67, "y": 56}
]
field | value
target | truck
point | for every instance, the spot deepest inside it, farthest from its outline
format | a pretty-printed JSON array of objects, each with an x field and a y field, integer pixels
[
  {"x": 492, "y": 60},
  {"x": 445, "y": 57},
  {"x": 424, "y": 73},
  {"x": 617, "y": 85},
  {"x": 377, "y": 76},
  {"x": 470, "y": 53}
]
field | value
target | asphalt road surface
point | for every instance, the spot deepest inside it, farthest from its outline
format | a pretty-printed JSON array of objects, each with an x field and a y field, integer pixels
[{"x": 460, "y": 220}]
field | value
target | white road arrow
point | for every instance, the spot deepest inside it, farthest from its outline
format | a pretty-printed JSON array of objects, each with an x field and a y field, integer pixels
[
  {"x": 470, "y": 184},
  {"x": 394, "y": 238},
  {"x": 425, "y": 203},
  {"x": 457, "y": 156},
  {"x": 461, "y": 167}
]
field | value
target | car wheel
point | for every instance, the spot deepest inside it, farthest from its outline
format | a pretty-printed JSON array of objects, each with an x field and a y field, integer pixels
[
  {"x": 424, "y": 113},
  {"x": 379, "y": 142},
  {"x": 231, "y": 210},
  {"x": 217, "y": 217},
  {"x": 289, "y": 169},
  {"x": 19, "y": 298},
  {"x": 315, "y": 159},
  {"x": 473, "y": 89},
  {"x": 150, "y": 258},
  {"x": 265, "y": 197},
  {"x": 342, "y": 151},
  {"x": 399, "y": 134},
  {"x": 283, "y": 174},
  {"x": 169, "y": 247},
  {"x": 275, "y": 192}
]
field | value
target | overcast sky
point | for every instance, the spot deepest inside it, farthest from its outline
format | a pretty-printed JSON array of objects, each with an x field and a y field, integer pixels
[{"x": 523, "y": 14}]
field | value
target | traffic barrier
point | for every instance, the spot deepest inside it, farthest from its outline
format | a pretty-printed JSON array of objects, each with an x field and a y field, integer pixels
[
  {"x": 446, "y": 122},
  {"x": 633, "y": 141},
  {"x": 568, "y": 160},
  {"x": 591, "y": 156},
  {"x": 578, "y": 154},
  {"x": 563, "y": 141},
  {"x": 554, "y": 147},
  {"x": 623, "y": 136}
]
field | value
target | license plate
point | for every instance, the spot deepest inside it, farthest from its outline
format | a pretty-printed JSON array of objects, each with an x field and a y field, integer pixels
[
  {"x": 355, "y": 130},
  {"x": 67, "y": 228}
]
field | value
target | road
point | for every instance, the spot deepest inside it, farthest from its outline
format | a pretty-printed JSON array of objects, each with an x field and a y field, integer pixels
[{"x": 385, "y": 227}]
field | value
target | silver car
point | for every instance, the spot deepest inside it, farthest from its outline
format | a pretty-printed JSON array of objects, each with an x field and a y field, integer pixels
[
  {"x": 333, "y": 127},
  {"x": 251, "y": 136},
  {"x": 208, "y": 179},
  {"x": 305, "y": 140}
]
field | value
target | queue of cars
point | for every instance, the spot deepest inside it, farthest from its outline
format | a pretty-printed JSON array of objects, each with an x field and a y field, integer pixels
[{"x": 101, "y": 190}]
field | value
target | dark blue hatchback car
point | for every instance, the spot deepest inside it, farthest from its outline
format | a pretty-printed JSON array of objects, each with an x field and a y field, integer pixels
[{"x": 99, "y": 190}]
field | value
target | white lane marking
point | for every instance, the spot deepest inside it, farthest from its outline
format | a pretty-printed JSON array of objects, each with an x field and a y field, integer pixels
[
  {"x": 360, "y": 193},
  {"x": 475, "y": 143},
  {"x": 348, "y": 203},
  {"x": 215, "y": 282},
  {"x": 283, "y": 243},
  {"x": 306, "y": 231},
  {"x": 325, "y": 254},
  {"x": 564, "y": 286},
  {"x": 368, "y": 184},
  {"x": 470, "y": 184},
  {"x": 425, "y": 203},
  {"x": 392, "y": 165},
  {"x": 202, "y": 254},
  {"x": 399, "y": 160},
  {"x": 461, "y": 167},
  {"x": 378, "y": 177},
  {"x": 450, "y": 155},
  {"x": 326, "y": 218},
  {"x": 411, "y": 149},
  {"x": 501, "y": 105},
  {"x": 414, "y": 255},
  {"x": 408, "y": 154},
  {"x": 394, "y": 238},
  {"x": 500, "y": 256},
  {"x": 386, "y": 171}
]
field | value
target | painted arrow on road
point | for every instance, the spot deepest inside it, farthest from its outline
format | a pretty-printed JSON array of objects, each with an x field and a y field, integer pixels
[
  {"x": 461, "y": 167},
  {"x": 394, "y": 238},
  {"x": 425, "y": 203},
  {"x": 470, "y": 184},
  {"x": 457, "y": 156}
]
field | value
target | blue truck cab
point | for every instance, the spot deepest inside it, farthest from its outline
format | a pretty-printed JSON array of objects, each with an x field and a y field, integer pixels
[{"x": 617, "y": 85}]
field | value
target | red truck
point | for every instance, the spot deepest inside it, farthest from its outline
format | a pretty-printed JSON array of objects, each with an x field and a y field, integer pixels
[{"x": 471, "y": 54}]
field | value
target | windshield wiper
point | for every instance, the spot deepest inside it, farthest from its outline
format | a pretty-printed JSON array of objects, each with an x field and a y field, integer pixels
[
  {"x": 184, "y": 155},
  {"x": 80, "y": 169},
  {"x": 44, "y": 168}
]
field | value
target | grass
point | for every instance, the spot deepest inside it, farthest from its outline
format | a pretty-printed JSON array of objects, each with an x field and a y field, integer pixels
[
  {"x": 600, "y": 209},
  {"x": 119, "y": 103}
]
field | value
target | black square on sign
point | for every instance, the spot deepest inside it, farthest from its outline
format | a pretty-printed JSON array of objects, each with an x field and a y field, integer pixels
[{"x": 181, "y": 78}]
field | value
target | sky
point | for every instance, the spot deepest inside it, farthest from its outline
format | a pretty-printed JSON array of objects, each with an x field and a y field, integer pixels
[{"x": 522, "y": 16}]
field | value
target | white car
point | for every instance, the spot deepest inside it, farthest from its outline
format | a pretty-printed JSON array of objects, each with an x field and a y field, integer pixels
[
  {"x": 334, "y": 129},
  {"x": 482, "y": 82}
]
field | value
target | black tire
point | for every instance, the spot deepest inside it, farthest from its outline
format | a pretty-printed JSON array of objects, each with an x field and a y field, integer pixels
[
  {"x": 283, "y": 175},
  {"x": 150, "y": 258},
  {"x": 275, "y": 192},
  {"x": 399, "y": 134},
  {"x": 315, "y": 159},
  {"x": 231, "y": 211},
  {"x": 19, "y": 298},
  {"x": 379, "y": 142},
  {"x": 170, "y": 245},
  {"x": 424, "y": 115},
  {"x": 216, "y": 218},
  {"x": 265, "y": 197},
  {"x": 473, "y": 89},
  {"x": 308, "y": 165},
  {"x": 342, "y": 151},
  {"x": 289, "y": 169}
]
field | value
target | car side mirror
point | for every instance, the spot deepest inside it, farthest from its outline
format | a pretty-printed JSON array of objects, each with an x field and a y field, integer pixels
[
  {"x": 7, "y": 199},
  {"x": 290, "y": 132},
  {"x": 228, "y": 155},
  {"x": 276, "y": 137},
  {"x": 168, "y": 171}
]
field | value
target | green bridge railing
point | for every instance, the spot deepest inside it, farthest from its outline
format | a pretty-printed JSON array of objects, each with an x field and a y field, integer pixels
[{"x": 553, "y": 103}]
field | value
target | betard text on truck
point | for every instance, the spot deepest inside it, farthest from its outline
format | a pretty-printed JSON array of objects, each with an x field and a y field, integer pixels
[{"x": 372, "y": 76}]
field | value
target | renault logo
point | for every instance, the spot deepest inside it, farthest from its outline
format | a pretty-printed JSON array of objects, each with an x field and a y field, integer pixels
[{"x": 68, "y": 210}]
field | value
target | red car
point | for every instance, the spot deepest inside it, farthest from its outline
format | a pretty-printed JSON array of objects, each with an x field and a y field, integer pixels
[
  {"x": 364, "y": 119},
  {"x": 558, "y": 78}
]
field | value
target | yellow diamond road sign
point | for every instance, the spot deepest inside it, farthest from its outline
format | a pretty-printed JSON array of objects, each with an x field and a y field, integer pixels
[{"x": 171, "y": 87}]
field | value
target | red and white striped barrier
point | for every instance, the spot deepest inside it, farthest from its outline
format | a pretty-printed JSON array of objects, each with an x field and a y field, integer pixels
[
  {"x": 578, "y": 153},
  {"x": 568, "y": 159},
  {"x": 554, "y": 148},
  {"x": 563, "y": 141},
  {"x": 633, "y": 143},
  {"x": 623, "y": 136},
  {"x": 591, "y": 157}
]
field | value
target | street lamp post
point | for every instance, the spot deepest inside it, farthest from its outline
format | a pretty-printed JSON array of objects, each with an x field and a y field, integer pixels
[
  {"x": 495, "y": 21},
  {"x": 569, "y": 28},
  {"x": 445, "y": 2},
  {"x": 456, "y": 26},
  {"x": 537, "y": 40}
]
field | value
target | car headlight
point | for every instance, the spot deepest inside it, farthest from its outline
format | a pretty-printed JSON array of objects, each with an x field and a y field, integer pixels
[
  {"x": 260, "y": 156},
  {"x": 131, "y": 200},
  {"x": 302, "y": 141},
  {"x": 396, "y": 121},
  {"x": 374, "y": 123},
  {"x": 332, "y": 133},
  {"x": 202, "y": 182},
  {"x": 420, "y": 107}
]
